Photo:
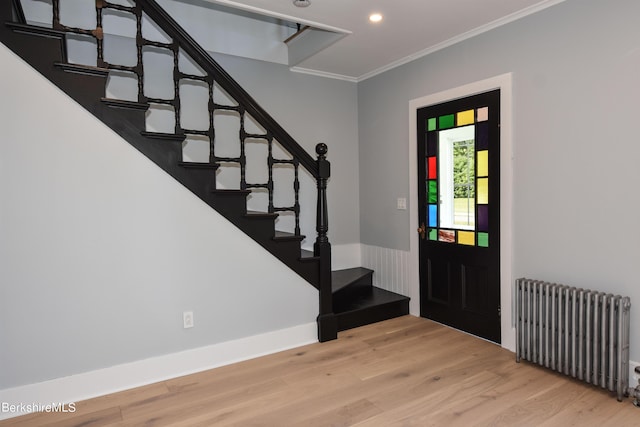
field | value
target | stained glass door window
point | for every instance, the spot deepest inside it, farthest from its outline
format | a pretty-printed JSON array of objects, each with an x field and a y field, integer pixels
[{"x": 457, "y": 177}]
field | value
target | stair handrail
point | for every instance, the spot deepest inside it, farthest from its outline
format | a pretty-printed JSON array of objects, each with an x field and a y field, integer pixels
[{"x": 228, "y": 83}]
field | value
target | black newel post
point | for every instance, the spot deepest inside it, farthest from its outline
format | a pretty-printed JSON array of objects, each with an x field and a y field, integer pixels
[{"x": 327, "y": 326}]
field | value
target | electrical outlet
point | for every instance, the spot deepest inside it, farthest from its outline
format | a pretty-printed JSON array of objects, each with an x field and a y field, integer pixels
[{"x": 187, "y": 319}]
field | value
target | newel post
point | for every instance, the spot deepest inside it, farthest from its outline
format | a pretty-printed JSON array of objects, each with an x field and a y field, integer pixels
[{"x": 327, "y": 326}]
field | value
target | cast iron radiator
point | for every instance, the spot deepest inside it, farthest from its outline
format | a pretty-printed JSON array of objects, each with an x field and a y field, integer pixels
[{"x": 577, "y": 332}]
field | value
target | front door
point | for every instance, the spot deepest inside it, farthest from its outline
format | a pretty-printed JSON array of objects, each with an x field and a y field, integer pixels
[{"x": 459, "y": 202}]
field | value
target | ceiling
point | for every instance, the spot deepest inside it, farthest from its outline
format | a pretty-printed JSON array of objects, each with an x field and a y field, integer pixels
[{"x": 409, "y": 29}]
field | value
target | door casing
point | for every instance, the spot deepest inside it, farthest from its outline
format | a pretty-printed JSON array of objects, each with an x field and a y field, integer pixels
[{"x": 504, "y": 83}]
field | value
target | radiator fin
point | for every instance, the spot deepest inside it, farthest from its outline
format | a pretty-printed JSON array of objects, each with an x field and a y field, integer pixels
[{"x": 577, "y": 332}]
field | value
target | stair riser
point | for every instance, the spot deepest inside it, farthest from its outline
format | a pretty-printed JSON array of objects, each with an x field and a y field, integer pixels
[
  {"x": 370, "y": 315},
  {"x": 37, "y": 50},
  {"x": 197, "y": 177},
  {"x": 356, "y": 288},
  {"x": 136, "y": 117},
  {"x": 229, "y": 205},
  {"x": 289, "y": 248}
]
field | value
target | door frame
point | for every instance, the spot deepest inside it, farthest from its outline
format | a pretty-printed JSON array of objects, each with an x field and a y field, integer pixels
[{"x": 504, "y": 83}]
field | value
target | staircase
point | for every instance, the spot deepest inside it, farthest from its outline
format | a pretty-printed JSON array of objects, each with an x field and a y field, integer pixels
[{"x": 347, "y": 298}]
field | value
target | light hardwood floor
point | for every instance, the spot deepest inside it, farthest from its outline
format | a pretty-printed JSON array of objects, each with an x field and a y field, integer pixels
[{"x": 402, "y": 372}]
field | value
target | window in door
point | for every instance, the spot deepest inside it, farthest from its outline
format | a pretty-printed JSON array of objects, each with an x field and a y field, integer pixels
[{"x": 457, "y": 172}]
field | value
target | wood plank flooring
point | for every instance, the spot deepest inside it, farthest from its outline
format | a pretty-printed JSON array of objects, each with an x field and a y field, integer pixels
[{"x": 406, "y": 371}]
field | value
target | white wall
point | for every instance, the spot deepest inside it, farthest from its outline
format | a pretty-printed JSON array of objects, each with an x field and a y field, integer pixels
[
  {"x": 101, "y": 251},
  {"x": 575, "y": 103}
]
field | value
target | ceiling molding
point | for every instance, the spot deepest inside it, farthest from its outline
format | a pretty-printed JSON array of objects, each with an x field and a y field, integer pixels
[
  {"x": 469, "y": 34},
  {"x": 323, "y": 74}
]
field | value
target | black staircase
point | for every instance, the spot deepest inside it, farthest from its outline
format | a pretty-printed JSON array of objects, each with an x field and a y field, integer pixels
[{"x": 347, "y": 298}]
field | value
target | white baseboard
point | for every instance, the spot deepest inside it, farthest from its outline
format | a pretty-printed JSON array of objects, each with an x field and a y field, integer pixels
[{"x": 126, "y": 376}]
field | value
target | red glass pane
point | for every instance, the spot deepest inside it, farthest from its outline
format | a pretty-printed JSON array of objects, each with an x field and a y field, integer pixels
[{"x": 432, "y": 168}]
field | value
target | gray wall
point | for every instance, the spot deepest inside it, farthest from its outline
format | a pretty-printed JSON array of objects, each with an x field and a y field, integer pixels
[
  {"x": 312, "y": 110},
  {"x": 575, "y": 107}
]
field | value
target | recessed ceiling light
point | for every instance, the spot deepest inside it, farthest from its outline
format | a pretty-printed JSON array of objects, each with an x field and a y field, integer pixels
[
  {"x": 302, "y": 3},
  {"x": 375, "y": 17}
]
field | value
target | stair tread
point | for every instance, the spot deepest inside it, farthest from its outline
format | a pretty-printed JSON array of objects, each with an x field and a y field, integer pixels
[
  {"x": 377, "y": 297},
  {"x": 82, "y": 69},
  {"x": 285, "y": 236},
  {"x": 35, "y": 29},
  {"x": 164, "y": 136},
  {"x": 230, "y": 192},
  {"x": 199, "y": 165},
  {"x": 340, "y": 279},
  {"x": 257, "y": 214},
  {"x": 123, "y": 103}
]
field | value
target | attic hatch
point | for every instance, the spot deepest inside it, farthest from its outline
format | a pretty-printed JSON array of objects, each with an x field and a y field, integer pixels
[
  {"x": 256, "y": 34},
  {"x": 291, "y": 40}
]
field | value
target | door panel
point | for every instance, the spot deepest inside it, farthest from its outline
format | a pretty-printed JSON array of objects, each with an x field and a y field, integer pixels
[
  {"x": 459, "y": 198},
  {"x": 439, "y": 281}
]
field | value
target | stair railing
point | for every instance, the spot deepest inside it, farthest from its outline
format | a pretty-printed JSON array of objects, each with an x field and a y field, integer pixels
[{"x": 181, "y": 41}]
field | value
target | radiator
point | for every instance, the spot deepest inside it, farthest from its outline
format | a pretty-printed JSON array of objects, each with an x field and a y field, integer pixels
[{"x": 577, "y": 332}]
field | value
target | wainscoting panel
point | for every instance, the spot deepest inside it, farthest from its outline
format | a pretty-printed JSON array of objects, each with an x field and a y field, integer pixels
[{"x": 390, "y": 266}]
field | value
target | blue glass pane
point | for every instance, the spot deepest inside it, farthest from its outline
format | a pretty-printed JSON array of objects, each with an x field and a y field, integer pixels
[{"x": 433, "y": 216}]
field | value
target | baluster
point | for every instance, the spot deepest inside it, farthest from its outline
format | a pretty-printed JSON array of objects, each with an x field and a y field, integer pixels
[
  {"x": 98, "y": 33},
  {"x": 327, "y": 325},
  {"x": 139, "y": 69},
  {"x": 296, "y": 192},
  {"x": 243, "y": 158},
  {"x": 56, "y": 15},
  {"x": 212, "y": 129},
  {"x": 270, "y": 164},
  {"x": 176, "y": 86}
]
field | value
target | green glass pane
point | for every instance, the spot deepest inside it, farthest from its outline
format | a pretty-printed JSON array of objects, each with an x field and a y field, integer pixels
[
  {"x": 447, "y": 121},
  {"x": 431, "y": 124},
  {"x": 433, "y": 234},
  {"x": 483, "y": 240},
  {"x": 433, "y": 191}
]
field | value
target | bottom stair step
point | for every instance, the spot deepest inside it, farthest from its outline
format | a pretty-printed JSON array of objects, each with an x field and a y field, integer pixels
[{"x": 369, "y": 307}]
